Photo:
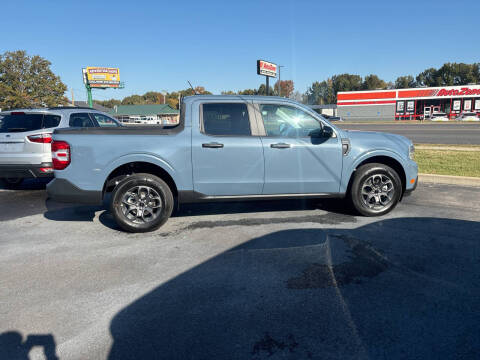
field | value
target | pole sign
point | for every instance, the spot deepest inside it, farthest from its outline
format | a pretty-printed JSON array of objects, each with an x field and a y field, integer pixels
[
  {"x": 102, "y": 77},
  {"x": 266, "y": 68}
]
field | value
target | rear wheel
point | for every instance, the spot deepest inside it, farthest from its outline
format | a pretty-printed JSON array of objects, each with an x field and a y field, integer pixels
[
  {"x": 12, "y": 183},
  {"x": 141, "y": 203},
  {"x": 376, "y": 189}
]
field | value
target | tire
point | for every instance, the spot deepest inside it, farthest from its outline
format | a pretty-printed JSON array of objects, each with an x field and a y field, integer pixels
[
  {"x": 141, "y": 203},
  {"x": 12, "y": 183},
  {"x": 376, "y": 189}
]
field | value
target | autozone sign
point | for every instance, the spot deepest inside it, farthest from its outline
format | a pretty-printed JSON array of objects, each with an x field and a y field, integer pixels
[
  {"x": 266, "y": 68},
  {"x": 465, "y": 91}
]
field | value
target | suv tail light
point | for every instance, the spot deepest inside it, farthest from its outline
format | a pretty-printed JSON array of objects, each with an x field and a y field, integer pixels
[
  {"x": 60, "y": 155},
  {"x": 40, "y": 138}
]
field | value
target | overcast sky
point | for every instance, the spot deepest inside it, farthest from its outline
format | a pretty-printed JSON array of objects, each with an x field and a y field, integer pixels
[{"x": 159, "y": 45}]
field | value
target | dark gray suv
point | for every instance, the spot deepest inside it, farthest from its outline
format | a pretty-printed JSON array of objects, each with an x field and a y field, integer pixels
[{"x": 26, "y": 134}]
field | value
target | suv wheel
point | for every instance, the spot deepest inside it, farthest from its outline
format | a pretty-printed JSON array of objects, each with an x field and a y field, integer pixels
[
  {"x": 375, "y": 190},
  {"x": 12, "y": 183},
  {"x": 141, "y": 203}
]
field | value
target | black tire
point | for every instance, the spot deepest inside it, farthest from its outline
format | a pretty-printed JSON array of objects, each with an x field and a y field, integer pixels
[
  {"x": 127, "y": 199},
  {"x": 380, "y": 200},
  {"x": 12, "y": 183}
]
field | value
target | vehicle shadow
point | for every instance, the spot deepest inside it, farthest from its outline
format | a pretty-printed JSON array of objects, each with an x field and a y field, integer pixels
[
  {"x": 71, "y": 212},
  {"x": 28, "y": 184},
  {"x": 396, "y": 288},
  {"x": 14, "y": 347}
]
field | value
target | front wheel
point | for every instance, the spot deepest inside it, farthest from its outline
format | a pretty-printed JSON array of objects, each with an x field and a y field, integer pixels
[
  {"x": 141, "y": 203},
  {"x": 376, "y": 189}
]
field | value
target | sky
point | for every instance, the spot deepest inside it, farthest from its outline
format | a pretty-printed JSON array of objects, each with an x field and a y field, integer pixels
[{"x": 159, "y": 45}]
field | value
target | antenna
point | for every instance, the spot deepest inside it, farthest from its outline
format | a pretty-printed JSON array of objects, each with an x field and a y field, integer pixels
[{"x": 192, "y": 88}]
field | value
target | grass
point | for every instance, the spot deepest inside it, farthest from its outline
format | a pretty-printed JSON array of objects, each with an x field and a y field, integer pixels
[{"x": 448, "y": 162}]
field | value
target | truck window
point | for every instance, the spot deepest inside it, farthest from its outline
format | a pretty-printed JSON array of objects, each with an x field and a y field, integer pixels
[
  {"x": 80, "y": 120},
  {"x": 287, "y": 121},
  {"x": 104, "y": 121},
  {"x": 226, "y": 119}
]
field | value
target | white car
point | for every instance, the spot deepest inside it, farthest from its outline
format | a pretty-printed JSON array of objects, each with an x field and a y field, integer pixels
[
  {"x": 439, "y": 116},
  {"x": 468, "y": 116}
]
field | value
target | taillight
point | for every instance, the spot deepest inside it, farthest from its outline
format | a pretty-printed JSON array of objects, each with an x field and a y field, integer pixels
[
  {"x": 60, "y": 155},
  {"x": 40, "y": 138}
]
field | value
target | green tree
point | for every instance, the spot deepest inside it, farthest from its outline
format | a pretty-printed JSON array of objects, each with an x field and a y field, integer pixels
[
  {"x": 262, "y": 90},
  {"x": 133, "y": 100},
  {"x": 228, "y": 92},
  {"x": 28, "y": 81},
  {"x": 429, "y": 77},
  {"x": 108, "y": 103},
  {"x": 346, "y": 82},
  {"x": 404, "y": 82},
  {"x": 320, "y": 93},
  {"x": 373, "y": 82},
  {"x": 249, "y": 91}
]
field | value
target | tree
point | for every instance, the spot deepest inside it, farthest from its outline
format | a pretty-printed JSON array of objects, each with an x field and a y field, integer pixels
[
  {"x": 320, "y": 93},
  {"x": 286, "y": 88},
  {"x": 27, "y": 81},
  {"x": 346, "y": 82},
  {"x": 373, "y": 82},
  {"x": 429, "y": 77},
  {"x": 249, "y": 92},
  {"x": 108, "y": 103},
  {"x": 133, "y": 100},
  {"x": 262, "y": 90},
  {"x": 228, "y": 92},
  {"x": 404, "y": 82}
]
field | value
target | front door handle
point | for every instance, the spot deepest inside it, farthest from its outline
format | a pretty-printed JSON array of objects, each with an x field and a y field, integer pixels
[
  {"x": 280, "y": 146},
  {"x": 214, "y": 145}
]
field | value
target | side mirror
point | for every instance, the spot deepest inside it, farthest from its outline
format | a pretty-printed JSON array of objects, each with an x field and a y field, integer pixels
[{"x": 327, "y": 132}]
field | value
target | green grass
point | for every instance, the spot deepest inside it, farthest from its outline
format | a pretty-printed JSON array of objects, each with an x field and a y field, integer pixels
[{"x": 448, "y": 162}]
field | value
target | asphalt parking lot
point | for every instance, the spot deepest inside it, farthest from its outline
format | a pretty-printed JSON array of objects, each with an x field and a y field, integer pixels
[{"x": 259, "y": 280}]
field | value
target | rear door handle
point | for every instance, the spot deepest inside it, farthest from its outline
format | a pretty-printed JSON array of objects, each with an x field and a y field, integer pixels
[
  {"x": 212, "y": 145},
  {"x": 280, "y": 146}
]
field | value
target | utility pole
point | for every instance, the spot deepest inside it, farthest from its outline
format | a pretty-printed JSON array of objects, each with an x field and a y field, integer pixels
[
  {"x": 279, "y": 79},
  {"x": 73, "y": 100}
]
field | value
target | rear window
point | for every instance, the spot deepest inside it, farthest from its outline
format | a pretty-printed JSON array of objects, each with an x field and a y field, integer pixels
[
  {"x": 226, "y": 119},
  {"x": 27, "y": 122}
]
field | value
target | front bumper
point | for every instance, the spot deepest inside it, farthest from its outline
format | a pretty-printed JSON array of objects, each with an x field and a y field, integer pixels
[
  {"x": 63, "y": 190},
  {"x": 43, "y": 170}
]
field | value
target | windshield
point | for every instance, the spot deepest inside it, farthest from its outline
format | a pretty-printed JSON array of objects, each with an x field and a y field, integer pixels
[{"x": 27, "y": 122}]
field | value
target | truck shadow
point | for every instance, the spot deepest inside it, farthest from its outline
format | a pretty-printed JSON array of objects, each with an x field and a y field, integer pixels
[
  {"x": 71, "y": 212},
  {"x": 14, "y": 347},
  {"x": 396, "y": 288}
]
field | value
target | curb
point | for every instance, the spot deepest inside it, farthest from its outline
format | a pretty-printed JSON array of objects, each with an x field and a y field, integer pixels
[
  {"x": 447, "y": 148},
  {"x": 449, "y": 179}
]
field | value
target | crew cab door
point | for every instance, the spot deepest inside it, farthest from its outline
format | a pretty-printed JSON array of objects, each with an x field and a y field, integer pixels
[
  {"x": 296, "y": 162},
  {"x": 227, "y": 153}
]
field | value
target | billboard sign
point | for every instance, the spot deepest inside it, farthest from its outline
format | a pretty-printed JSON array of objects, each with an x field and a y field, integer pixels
[
  {"x": 266, "y": 68},
  {"x": 102, "y": 77}
]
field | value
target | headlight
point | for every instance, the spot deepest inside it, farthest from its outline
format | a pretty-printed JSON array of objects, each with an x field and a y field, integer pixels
[{"x": 411, "y": 151}]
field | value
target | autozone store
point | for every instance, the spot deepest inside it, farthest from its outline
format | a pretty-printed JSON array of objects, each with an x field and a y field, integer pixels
[{"x": 408, "y": 104}]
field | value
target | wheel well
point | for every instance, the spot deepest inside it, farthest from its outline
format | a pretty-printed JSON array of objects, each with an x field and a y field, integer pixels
[
  {"x": 386, "y": 160},
  {"x": 125, "y": 170}
]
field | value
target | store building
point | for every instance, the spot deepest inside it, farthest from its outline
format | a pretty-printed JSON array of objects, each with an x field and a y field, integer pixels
[{"x": 408, "y": 104}]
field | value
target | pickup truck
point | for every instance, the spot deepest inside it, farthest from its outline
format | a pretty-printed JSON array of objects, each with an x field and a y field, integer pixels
[{"x": 229, "y": 148}]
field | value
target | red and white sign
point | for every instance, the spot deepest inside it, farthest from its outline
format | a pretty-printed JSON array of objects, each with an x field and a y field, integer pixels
[{"x": 266, "y": 68}]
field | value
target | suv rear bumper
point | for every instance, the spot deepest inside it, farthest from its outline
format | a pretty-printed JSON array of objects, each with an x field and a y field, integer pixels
[
  {"x": 63, "y": 190},
  {"x": 26, "y": 170}
]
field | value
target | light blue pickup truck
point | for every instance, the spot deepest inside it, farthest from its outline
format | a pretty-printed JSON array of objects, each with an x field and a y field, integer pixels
[{"x": 229, "y": 148}]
